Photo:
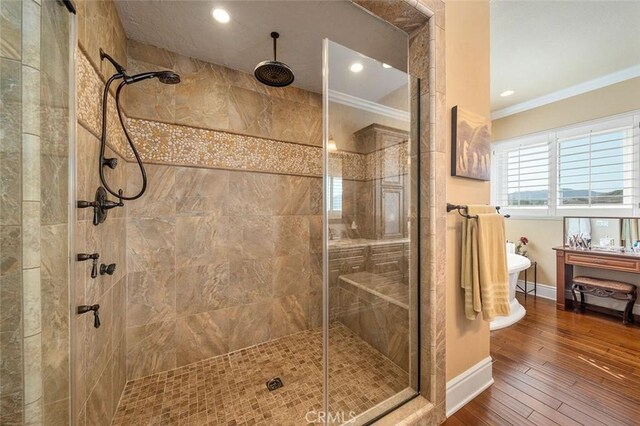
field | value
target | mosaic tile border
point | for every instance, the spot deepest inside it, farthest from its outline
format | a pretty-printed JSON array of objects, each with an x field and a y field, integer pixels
[{"x": 189, "y": 146}]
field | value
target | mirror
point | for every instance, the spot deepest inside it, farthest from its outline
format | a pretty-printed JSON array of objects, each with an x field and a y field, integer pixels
[{"x": 603, "y": 233}]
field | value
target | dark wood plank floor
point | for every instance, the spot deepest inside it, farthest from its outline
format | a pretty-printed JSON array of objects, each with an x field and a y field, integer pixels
[{"x": 558, "y": 367}]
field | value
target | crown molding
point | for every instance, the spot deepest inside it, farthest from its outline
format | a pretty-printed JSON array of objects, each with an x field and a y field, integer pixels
[
  {"x": 578, "y": 89},
  {"x": 363, "y": 104}
]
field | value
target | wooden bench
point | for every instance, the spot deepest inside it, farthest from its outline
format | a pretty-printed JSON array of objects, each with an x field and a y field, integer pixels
[{"x": 605, "y": 288}]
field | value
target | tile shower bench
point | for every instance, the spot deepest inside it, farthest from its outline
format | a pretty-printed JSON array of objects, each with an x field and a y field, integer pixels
[{"x": 367, "y": 281}]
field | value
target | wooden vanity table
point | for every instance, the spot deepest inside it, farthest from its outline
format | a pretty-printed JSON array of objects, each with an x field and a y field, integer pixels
[{"x": 567, "y": 258}]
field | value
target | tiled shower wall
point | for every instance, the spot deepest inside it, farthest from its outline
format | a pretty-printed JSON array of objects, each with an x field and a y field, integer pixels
[
  {"x": 220, "y": 260},
  {"x": 215, "y": 97},
  {"x": 99, "y": 354},
  {"x": 11, "y": 287},
  {"x": 34, "y": 320}
]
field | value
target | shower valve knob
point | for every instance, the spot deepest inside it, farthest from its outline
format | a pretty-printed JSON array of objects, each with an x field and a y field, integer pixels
[
  {"x": 107, "y": 269},
  {"x": 110, "y": 162}
]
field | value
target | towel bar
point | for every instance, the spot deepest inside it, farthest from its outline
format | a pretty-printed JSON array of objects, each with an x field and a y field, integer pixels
[{"x": 461, "y": 207}]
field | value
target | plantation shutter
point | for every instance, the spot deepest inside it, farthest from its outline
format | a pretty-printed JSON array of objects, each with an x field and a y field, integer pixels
[
  {"x": 522, "y": 174},
  {"x": 597, "y": 164}
]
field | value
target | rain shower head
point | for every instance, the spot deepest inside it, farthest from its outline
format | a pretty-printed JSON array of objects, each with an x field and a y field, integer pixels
[
  {"x": 274, "y": 73},
  {"x": 165, "y": 77}
]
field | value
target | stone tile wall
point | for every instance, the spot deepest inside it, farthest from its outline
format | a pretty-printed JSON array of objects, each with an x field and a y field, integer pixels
[
  {"x": 99, "y": 354},
  {"x": 34, "y": 296},
  {"x": 100, "y": 372},
  {"x": 11, "y": 226},
  {"x": 214, "y": 97},
  {"x": 218, "y": 261}
]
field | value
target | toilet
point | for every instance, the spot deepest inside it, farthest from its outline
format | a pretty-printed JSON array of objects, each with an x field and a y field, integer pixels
[{"x": 515, "y": 264}]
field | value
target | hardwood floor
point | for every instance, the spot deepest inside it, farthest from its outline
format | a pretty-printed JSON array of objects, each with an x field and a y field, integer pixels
[{"x": 558, "y": 367}]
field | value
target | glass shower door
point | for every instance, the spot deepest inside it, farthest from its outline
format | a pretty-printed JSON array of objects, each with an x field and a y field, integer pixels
[
  {"x": 35, "y": 40},
  {"x": 371, "y": 278}
]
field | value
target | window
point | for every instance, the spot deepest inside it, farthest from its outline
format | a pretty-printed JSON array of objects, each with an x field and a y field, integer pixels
[
  {"x": 587, "y": 169},
  {"x": 335, "y": 197},
  {"x": 596, "y": 168},
  {"x": 524, "y": 175}
]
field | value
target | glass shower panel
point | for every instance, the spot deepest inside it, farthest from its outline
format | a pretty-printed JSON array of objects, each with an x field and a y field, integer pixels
[
  {"x": 34, "y": 162},
  {"x": 371, "y": 236}
]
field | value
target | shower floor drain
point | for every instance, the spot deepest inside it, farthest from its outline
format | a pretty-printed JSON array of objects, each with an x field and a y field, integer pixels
[{"x": 274, "y": 384}]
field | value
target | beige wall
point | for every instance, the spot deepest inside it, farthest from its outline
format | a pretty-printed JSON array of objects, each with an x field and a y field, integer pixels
[
  {"x": 542, "y": 235},
  {"x": 467, "y": 58},
  {"x": 611, "y": 100}
]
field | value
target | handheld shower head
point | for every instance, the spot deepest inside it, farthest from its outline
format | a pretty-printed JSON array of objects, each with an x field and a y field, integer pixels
[
  {"x": 168, "y": 77},
  {"x": 165, "y": 77}
]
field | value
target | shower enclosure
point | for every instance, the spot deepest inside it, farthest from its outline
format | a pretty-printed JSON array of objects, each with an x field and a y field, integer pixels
[
  {"x": 370, "y": 246},
  {"x": 36, "y": 144},
  {"x": 270, "y": 272}
]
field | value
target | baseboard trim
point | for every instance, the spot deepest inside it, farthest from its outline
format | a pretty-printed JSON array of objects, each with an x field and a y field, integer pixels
[
  {"x": 544, "y": 290},
  {"x": 466, "y": 386}
]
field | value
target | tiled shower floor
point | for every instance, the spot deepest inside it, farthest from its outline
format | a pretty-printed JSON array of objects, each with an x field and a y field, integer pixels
[{"x": 231, "y": 390}]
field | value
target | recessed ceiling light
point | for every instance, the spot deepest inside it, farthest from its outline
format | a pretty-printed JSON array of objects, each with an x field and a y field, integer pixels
[
  {"x": 356, "y": 67},
  {"x": 507, "y": 93},
  {"x": 386, "y": 65},
  {"x": 221, "y": 15}
]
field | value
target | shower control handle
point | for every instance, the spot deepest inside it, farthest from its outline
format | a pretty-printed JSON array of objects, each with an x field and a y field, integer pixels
[
  {"x": 88, "y": 256},
  {"x": 83, "y": 309},
  {"x": 108, "y": 204},
  {"x": 94, "y": 258},
  {"x": 86, "y": 204}
]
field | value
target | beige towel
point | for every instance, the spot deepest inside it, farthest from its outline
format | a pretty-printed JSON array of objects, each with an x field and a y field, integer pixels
[
  {"x": 494, "y": 278},
  {"x": 484, "y": 275}
]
